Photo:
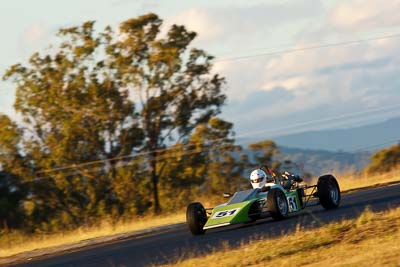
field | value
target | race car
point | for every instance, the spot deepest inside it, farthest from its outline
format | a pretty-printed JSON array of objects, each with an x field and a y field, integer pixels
[{"x": 277, "y": 197}]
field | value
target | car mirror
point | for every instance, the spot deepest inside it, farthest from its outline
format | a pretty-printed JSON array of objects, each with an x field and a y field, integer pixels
[{"x": 226, "y": 195}]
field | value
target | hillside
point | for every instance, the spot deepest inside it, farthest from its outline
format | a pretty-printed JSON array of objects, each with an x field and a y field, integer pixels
[{"x": 369, "y": 137}]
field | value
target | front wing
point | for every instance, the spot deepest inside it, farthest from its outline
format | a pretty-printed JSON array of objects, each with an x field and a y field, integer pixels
[{"x": 229, "y": 214}]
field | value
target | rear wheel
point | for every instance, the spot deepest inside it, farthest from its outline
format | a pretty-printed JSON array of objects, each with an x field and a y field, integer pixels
[
  {"x": 277, "y": 204},
  {"x": 328, "y": 192},
  {"x": 196, "y": 218}
]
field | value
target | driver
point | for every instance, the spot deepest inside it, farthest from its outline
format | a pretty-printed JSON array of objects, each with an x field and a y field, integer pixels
[
  {"x": 259, "y": 178},
  {"x": 263, "y": 175}
]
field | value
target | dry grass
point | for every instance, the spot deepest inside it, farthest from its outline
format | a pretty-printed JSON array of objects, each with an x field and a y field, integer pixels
[
  {"x": 370, "y": 240},
  {"x": 15, "y": 243},
  {"x": 350, "y": 181}
]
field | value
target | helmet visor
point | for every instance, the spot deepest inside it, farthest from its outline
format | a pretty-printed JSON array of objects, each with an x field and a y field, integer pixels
[{"x": 257, "y": 180}]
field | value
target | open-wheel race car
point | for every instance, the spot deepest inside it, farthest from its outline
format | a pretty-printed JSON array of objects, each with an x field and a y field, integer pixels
[{"x": 277, "y": 197}]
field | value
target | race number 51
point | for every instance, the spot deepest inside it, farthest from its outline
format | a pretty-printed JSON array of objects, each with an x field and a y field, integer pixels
[
  {"x": 292, "y": 203},
  {"x": 225, "y": 213}
]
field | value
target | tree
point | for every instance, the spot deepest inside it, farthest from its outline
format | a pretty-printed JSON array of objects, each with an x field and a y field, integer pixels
[
  {"x": 130, "y": 189},
  {"x": 204, "y": 165},
  {"x": 225, "y": 167},
  {"x": 12, "y": 195},
  {"x": 264, "y": 153},
  {"x": 385, "y": 160},
  {"x": 173, "y": 84},
  {"x": 107, "y": 94},
  {"x": 71, "y": 103},
  {"x": 11, "y": 159},
  {"x": 74, "y": 110},
  {"x": 12, "y": 169}
]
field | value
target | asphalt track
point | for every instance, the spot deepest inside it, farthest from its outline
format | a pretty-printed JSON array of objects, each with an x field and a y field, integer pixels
[{"x": 170, "y": 245}]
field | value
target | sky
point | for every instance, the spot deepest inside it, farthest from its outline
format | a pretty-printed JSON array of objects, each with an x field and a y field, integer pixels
[{"x": 290, "y": 66}]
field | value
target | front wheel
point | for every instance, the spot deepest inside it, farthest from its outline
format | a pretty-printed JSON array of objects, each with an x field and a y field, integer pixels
[
  {"x": 277, "y": 204},
  {"x": 196, "y": 218},
  {"x": 254, "y": 211},
  {"x": 328, "y": 192}
]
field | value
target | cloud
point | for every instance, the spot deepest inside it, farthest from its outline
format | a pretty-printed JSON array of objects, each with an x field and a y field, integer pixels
[
  {"x": 321, "y": 82},
  {"x": 242, "y": 77},
  {"x": 359, "y": 15},
  {"x": 314, "y": 84},
  {"x": 280, "y": 90},
  {"x": 35, "y": 37},
  {"x": 34, "y": 34},
  {"x": 349, "y": 66},
  {"x": 260, "y": 100},
  {"x": 243, "y": 26}
]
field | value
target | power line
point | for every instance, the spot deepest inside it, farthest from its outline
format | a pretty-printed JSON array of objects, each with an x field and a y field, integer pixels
[
  {"x": 327, "y": 119},
  {"x": 391, "y": 36},
  {"x": 177, "y": 148},
  {"x": 267, "y": 130},
  {"x": 342, "y": 116},
  {"x": 306, "y": 48},
  {"x": 93, "y": 170},
  {"x": 157, "y": 151},
  {"x": 165, "y": 156},
  {"x": 76, "y": 168}
]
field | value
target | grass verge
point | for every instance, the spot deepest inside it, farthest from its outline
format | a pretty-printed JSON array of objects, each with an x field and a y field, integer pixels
[{"x": 370, "y": 240}]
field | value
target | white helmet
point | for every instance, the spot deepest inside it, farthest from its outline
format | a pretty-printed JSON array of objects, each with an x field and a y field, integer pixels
[{"x": 258, "y": 178}]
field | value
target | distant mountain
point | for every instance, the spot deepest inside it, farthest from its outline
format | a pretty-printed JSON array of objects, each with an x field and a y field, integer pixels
[
  {"x": 364, "y": 138},
  {"x": 320, "y": 162}
]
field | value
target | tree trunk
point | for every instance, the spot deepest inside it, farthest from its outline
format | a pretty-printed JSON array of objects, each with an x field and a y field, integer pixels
[
  {"x": 154, "y": 179},
  {"x": 5, "y": 226}
]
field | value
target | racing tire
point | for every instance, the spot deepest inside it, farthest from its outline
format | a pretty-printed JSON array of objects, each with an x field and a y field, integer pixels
[
  {"x": 196, "y": 218},
  {"x": 277, "y": 204},
  {"x": 328, "y": 192}
]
